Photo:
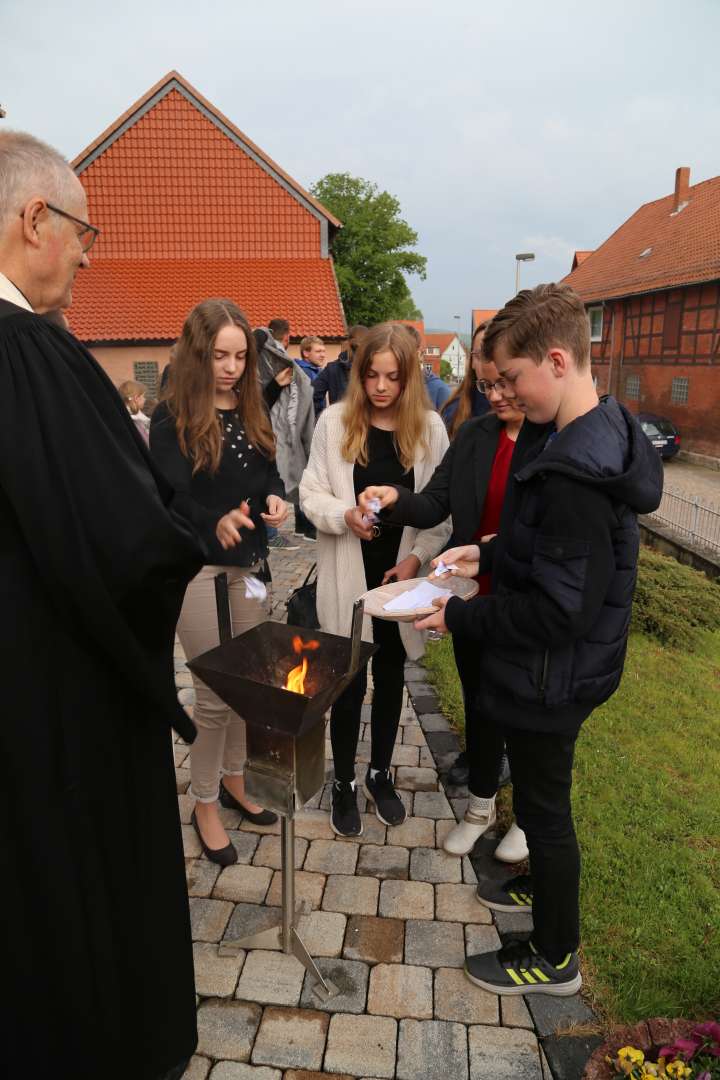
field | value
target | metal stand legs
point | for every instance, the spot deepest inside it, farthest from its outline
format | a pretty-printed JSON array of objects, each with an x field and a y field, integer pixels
[{"x": 284, "y": 935}]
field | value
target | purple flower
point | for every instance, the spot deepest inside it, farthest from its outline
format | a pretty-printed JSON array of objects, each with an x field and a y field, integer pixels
[
  {"x": 705, "y": 1075},
  {"x": 710, "y": 1032},
  {"x": 685, "y": 1048}
]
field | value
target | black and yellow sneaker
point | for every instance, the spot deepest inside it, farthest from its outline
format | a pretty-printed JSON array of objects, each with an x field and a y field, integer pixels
[
  {"x": 520, "y": 969},
  {"x": 516, "y": 894}
]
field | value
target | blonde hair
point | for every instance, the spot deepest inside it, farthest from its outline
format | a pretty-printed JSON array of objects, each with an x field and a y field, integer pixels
[
  {"x": 413, "y": 403},
  {"x": 130, "y": 390}
]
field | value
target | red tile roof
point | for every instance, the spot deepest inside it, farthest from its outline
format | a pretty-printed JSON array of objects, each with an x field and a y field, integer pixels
[
  {"x": 657, "y": 248},
  {"x": 480, "y": 315},
  {"x": 419, "y": 325},
  {"x": 439, "y": 341},
  {"x": 182, "y": 195},
  {"x": 579, "y": 257},
  {"x": 148, "y": 300}
]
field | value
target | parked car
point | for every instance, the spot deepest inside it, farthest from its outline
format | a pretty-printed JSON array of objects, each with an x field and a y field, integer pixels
[{"x": 662, "y": 433}]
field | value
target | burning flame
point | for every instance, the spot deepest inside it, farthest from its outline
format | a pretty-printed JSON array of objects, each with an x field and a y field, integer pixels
[{"x": 296, "y": 678}]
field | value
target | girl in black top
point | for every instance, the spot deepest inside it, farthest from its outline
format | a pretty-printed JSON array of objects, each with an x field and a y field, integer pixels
[{"x": 212, "y": 438}]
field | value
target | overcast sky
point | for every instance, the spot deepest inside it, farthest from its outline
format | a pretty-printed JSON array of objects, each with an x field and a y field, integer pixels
[{"x": 500, "y": 127}]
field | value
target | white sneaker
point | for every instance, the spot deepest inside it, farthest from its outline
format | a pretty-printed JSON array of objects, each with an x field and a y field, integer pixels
[
  {"x": 513, "y": 846},
  {"x": 479, "y": 816}
]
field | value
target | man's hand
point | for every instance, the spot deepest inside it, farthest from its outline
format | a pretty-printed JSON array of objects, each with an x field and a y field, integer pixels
[
  {"x": 435, "y": 621},
  {"x": 354, "y": 522},
  {"x": 277, "y": 511},
  {"x": 405, "y": 570},
  {"x": 284, "y": 377},
  {"x": 386, "y": 495},
  {"x": 466, "y": 558},
  {"x": 228, "y": 527}
]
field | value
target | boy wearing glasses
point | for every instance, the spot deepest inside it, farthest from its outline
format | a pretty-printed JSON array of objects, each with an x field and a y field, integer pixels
[{"x": 554, "y": 630}]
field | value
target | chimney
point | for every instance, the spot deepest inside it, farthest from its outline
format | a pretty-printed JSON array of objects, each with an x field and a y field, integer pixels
[{"x": 682, "y": 187}]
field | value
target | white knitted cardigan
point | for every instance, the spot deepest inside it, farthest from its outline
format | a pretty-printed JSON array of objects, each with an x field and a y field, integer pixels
[{"x": 326, "y": 492}]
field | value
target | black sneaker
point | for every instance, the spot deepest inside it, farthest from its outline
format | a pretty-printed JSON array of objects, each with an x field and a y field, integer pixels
[
  {"x": 516, "y": 894},
  {"x": 281, "y": 543},
  {"x": 459, "y": 772},
  {"x": 520, "y": 969},
  {"x": 310, "y": 534},
  {"x": 389, "y": 807},
  {"x": 345, "y": 817}
]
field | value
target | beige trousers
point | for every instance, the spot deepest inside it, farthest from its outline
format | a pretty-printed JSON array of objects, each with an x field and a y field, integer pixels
[{"x": 220, "y": 744}]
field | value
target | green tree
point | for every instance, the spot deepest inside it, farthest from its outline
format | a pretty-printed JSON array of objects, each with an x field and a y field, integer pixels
[
  {"x": 372, "y": 250},
  {"x": 446, "y": 371}
]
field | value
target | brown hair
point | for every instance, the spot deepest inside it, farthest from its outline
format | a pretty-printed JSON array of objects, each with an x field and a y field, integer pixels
[
  {"x": 539, "y": 319},
  {"x": 465, "y": 392},
  {"x": 308, "y": 342},
  {"x": 190, "y": 391},
  {"x": 279, "y": 328},
  {"x": 412, "y": 404},
  {"x": 130, "y": 390}
]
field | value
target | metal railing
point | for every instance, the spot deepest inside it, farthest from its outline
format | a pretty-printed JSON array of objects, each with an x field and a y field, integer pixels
[{"x": 686, "y": 514}]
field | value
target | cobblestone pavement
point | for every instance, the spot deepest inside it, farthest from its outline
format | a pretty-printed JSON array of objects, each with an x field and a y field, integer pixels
[
  {"x": 693, "y": 480},
  {"x": 391, "y": 918}
]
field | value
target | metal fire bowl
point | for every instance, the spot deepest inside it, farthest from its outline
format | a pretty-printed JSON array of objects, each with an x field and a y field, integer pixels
[{"x": 249, "y": 671}]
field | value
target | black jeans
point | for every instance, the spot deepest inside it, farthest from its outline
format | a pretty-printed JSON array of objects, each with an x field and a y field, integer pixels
[
  {"x": 302, "y": 523},
  {"x": 541, "y": 765},
  {"x": 484, "y": 742},
  {"x": 388, "y": 668}
]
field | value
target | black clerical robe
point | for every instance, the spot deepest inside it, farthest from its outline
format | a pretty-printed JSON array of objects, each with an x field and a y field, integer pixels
[{"x": 96, "y": 964}]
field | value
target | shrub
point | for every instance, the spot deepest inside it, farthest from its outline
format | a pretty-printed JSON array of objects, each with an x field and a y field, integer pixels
[{"x": 673, "y": 602}]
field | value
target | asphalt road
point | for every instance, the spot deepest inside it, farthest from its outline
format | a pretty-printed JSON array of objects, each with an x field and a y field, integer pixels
[{"x": 691, "y": 480}]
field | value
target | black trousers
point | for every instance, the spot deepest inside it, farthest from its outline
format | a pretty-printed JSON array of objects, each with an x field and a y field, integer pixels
[
  {"x": 484, "y": 741},
  {"x": 302, "y": 523},
  {"x": 541, "y": 765},
  {"x": 388, "y": 668}
]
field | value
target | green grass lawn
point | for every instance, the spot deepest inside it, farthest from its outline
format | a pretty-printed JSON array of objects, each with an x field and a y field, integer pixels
[{"x": 647, "y": 813}]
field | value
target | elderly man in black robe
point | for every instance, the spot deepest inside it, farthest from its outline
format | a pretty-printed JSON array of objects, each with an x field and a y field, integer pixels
[{"x": 94, "y": 557}]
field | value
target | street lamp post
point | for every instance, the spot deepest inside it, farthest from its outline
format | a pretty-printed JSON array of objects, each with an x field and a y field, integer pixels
[
  {"x": 524, "y": 256},
  {"x": 457, "y": 334}
]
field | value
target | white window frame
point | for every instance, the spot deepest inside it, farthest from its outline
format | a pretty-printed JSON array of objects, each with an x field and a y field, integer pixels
[
  {"x": 680, "y": 390},
  {"x": 590, "y": 312},
  {"x": 635, "y": 396}
]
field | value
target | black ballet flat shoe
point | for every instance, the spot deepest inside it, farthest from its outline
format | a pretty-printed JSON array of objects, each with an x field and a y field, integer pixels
[
  {"x": 225, "y": 856},
  {"x": 264, "y": 817}
]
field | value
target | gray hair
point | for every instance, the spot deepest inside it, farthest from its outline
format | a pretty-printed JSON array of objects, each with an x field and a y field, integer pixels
[{"x": 30, "y": 167}]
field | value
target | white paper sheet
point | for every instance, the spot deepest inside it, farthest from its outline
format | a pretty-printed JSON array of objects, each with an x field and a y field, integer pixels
[{"x": 421, "y": 596}]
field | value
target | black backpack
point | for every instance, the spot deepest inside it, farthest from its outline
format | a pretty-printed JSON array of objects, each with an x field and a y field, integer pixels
[{"x": 302, "y": 603}]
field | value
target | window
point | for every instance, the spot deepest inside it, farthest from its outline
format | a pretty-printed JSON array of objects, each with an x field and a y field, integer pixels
[
  {"x": 146, "y": 372},
  {"x": 428, "y": 369},
  {"x": 595, "y": 315},
  {"x": 679, "y": 390},
  {"x": 632, "y": 387}
]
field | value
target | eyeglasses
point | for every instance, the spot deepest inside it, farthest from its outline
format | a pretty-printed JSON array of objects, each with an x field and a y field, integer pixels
[
  {"x": 88, "y": 233},
  {"x": 485, "y": 387}
]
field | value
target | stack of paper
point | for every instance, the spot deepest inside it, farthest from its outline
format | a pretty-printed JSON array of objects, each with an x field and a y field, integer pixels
[{"x": 422, "y": 596}]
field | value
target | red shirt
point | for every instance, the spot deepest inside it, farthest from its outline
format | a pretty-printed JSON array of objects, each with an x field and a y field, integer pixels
[{"x": 494, "y": 498}]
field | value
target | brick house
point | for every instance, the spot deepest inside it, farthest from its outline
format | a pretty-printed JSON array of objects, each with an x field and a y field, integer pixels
[
  {"x": 190, "y": 208},
  {"x": 449, "y": 347},
  {"x": 653, "y": 296}
]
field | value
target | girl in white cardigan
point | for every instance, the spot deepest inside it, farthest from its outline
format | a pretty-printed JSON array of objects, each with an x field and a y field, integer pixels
[{"x": 385, "y": 431}]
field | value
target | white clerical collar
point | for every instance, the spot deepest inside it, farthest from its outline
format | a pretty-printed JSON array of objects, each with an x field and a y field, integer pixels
[{"x": 10, "y": 292}]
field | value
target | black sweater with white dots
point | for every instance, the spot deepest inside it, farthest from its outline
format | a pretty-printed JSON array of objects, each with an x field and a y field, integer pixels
[{"x": 244, "y": 474}]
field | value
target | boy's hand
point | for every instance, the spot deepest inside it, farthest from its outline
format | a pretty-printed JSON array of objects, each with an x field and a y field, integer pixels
[
  {"x": 466, "y": 558},
  {"x": 405, "y": 570},
  {"x": 437, "y": 620},
  {"x": 354, "y": 522},
  {"x": 284, "y": 377},
  {"x": 387, "y": 496}
]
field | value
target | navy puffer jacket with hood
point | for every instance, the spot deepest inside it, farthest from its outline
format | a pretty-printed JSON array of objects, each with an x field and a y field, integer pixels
[{"x": 564, "y": 564}]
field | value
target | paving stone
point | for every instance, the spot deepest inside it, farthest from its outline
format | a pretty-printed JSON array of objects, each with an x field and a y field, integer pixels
[
  {"x": 435, "y": 944},
  {"x": 513, "y": 922},
  {"x": 399, "y": 899},
  {"x": 313, "y": 825},
  {"x": 498, "y": 1053},
  {"x": 198, "y": 1068},
  {"x": 459, "y": 806},
  {"x": 361, "y": 1045},
  {"x": 412, "y": 735},
  {"x": 329, "y": 857},
  {"x": 226, "y": 1029},
  {"x": 235, "y": 1070},
  {"x": 416, "y": 779},
  {"x": 432, "y": 804},
  {"x": 374, "y": 940},
  {"x": 351, "y": 895},
  {"x": 432, "y": 1050},
  {"x": 351, "y": 979},
  {"x": 250, "y": 919},
  {"x": 291, "y": 1038},
  {"x": 383, "y": 862},
  {"x": 244, "y": 843},
  {"x": 443, "y": 742},
  {"x": 208, "y": 918},
  {"x": 243, "y": 884},
  {"x": 185, "y": 806},
  {"x": 442, "y": 828},
  {"x": 479, "y": 939},
  {"x": 305, "y": 1074},
  {"x": 269, "y": 852},
  {"x": 430, "y": 864},
  {"x": 401, "y": 990},
  {"x": 552, "y": 1014},
  {"x": 215, "y": 976},
  {"x": 569, "y": 1054},
  {"x": 249, "y": 826},
  {"x": 419, "y": 687},
  {"x": 458, "y": 903},
  {"x": 405, "y": 755},
  {"x": 201, "y": 876},
  {"x": 414, "y": 832},
  {"x": 308, "y": 888},
  {"x": 426, "y": 760},
  {"x": 230, "y": 818},
  {"x": 456, "y": 998},
  {"x": 323, "y": 932},
  {"x": 435, "y": 722},
  {"x": 407, "y": 798},
  {"x": 468, "y": 873},
  {"x": 191, "y": 843},
  {"x": 364, "y": 749},
  {"x": 272, "y": 978},
  {"x": 514, "y": 1012}
]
